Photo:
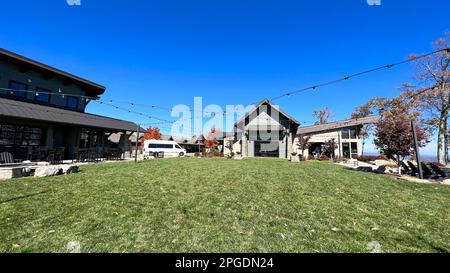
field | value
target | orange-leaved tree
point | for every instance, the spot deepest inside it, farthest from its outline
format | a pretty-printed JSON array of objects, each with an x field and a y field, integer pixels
[
  {"x": 151, "y": 134},
  {"x": 211, "y": 142}
]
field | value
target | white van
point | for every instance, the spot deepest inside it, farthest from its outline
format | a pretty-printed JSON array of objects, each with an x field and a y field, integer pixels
[{"x": 166, "y": 148}]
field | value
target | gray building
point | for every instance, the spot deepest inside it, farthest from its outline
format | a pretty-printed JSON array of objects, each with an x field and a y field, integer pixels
[
  {"x": 42, "y": 107},
  {"x": 345, "y": 133},
  {"x": 268, "y": 131},
  {"x": 265, "y": 131}
]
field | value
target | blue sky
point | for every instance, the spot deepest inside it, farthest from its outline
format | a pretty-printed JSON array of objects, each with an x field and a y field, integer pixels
[{"x": 228, "y": 52}]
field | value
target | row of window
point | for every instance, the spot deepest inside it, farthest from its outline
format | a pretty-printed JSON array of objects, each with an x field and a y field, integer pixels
[
  {"x": 349, "y": 133},
  {"x": 11, "y": 135},
  {"x": 163, "y": 146},
  {"x": 42, "y": 95}
]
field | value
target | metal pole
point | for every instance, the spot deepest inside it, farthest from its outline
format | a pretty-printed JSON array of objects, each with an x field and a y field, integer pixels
[
  {"x": 416, "y": 147},
  {"x": 137, "y": 144}
]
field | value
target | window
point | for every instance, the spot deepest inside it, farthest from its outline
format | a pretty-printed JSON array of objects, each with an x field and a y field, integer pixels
[
  {"x": 346, "y": 150},
  {"x": 345, "y": 133},
  {"x": 349, "y": 133},
  {"x": 84, "y": 138},
  {"x": 11, "y": 135},
  {"x": 160, "y": 146},
  {"x": 354, "y": 147},
  {"x": 72, "y": 102},
  {"x": 19, "y": 89},
  {"x": 42, "y": 95}
]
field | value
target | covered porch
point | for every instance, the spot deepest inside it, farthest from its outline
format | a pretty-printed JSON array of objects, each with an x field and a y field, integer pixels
[{"x": 37, "y": 133}]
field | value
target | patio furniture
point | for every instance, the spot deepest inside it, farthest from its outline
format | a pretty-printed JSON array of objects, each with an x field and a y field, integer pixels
[
  {"x": 59, "y": 155},
  {"x": 116, "y": 154},
  {"x": 406, "y": 169},
  {"x": 427, "y": 173},
  {"x": 414, "y": 170},
  {"x": 51, "y": 156},
  {"x": 439, "y": 172},
  {"x": 6, "y": 158},
  {"x": 35, "y": 153},
  {"x": 93, "y": 155}
]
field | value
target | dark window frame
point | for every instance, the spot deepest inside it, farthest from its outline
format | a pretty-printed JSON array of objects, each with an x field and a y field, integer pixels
[
  {"x": 161, "y": 146},
  {"x": 22, "y": 136},
  {"x": 43, "y": 90},
  {"x": 77, "y": 102},
  {"x": 345, "y": 132},
  {"x": 14, "y": 93}
]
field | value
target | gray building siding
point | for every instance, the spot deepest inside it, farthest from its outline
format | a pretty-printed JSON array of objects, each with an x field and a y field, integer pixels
[{"x": 11, "y": 72}]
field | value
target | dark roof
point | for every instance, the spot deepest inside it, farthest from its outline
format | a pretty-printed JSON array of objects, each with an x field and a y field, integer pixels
[
  {"x": 266, "y": 101},
  {"x": 337, "y": 125},
  {"x": 93, "y": 89},
  {"x": 24, "y": 110}
]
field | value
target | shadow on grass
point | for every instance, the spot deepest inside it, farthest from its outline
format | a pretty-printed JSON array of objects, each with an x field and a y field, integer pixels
[{"x": 23, "y": 197}]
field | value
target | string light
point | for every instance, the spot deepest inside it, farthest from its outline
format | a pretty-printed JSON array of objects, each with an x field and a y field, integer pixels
[{"x": 288, "y": 94}]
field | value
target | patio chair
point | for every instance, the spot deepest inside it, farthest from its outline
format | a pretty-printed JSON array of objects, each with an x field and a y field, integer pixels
[
  {"x": 34, "y": 154},
  {"x": 406, "y": 169},
  {"x": 51, "y": 156},
  {"x": 414, "y": 170},
  {"x": 82, "y": 155},
  {"x": 6, "y": 158},
  {"x": 427, "y": 173},
  {"x": 59, "y": 155},
  {"x": 439, "y": 172}
]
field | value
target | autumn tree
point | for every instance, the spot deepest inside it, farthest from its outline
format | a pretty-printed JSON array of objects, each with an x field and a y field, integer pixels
[
  {"x": 211, "y": 143},
  {"x": 329, "y": 148},
  {"x": 433, "y": 93},
  {"x": 151, "y": 134},
  {"x": 303, "y": 144},
  {"x": 322, "y": 115},
  {"x": 394, "y": 138}
]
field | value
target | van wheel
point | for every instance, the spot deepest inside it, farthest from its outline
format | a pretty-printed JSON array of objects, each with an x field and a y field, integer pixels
[{"x": 181, "y": 154}]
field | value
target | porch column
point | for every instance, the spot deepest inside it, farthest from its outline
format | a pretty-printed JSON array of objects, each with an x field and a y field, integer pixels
[
  {"x": 290, "y": 143},
  {"x": 49, "y": 140},
  {"x": 244, "y": 144}
]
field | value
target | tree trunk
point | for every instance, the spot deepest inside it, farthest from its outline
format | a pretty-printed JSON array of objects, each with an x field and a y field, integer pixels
[
  {"x": 446, "y": 140},
  {"x": 363, "y": 145},
  {"x": 441, "y": 143}
]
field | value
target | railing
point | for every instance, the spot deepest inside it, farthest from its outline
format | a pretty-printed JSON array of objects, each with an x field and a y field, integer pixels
[{"x": 97, "y": 154}]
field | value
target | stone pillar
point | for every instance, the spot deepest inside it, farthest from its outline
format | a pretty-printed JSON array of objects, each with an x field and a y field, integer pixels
[
  {"x": 244, "y": 144},
  {"x": 290, "y": 143}
]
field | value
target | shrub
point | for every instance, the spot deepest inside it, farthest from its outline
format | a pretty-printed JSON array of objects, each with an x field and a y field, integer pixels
[
  {"x": 324, "y": 158},
  {"x": 339, "y": 159}
]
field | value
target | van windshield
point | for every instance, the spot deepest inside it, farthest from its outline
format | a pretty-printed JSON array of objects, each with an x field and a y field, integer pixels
[{"x": 178, "y": 146}]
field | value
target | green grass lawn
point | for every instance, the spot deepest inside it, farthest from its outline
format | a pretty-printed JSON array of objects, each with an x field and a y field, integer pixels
[{"x": 219, "y": 205}]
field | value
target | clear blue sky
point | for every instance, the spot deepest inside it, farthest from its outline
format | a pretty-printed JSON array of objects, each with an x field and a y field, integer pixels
[{"x": 228, "y": 52}]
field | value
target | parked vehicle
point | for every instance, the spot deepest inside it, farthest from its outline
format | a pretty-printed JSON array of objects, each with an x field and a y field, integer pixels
[{"x": 159, "y": 148}]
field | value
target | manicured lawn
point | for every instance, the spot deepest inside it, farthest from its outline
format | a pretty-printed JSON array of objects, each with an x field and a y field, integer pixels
[{"x": 219, "y": 205}]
